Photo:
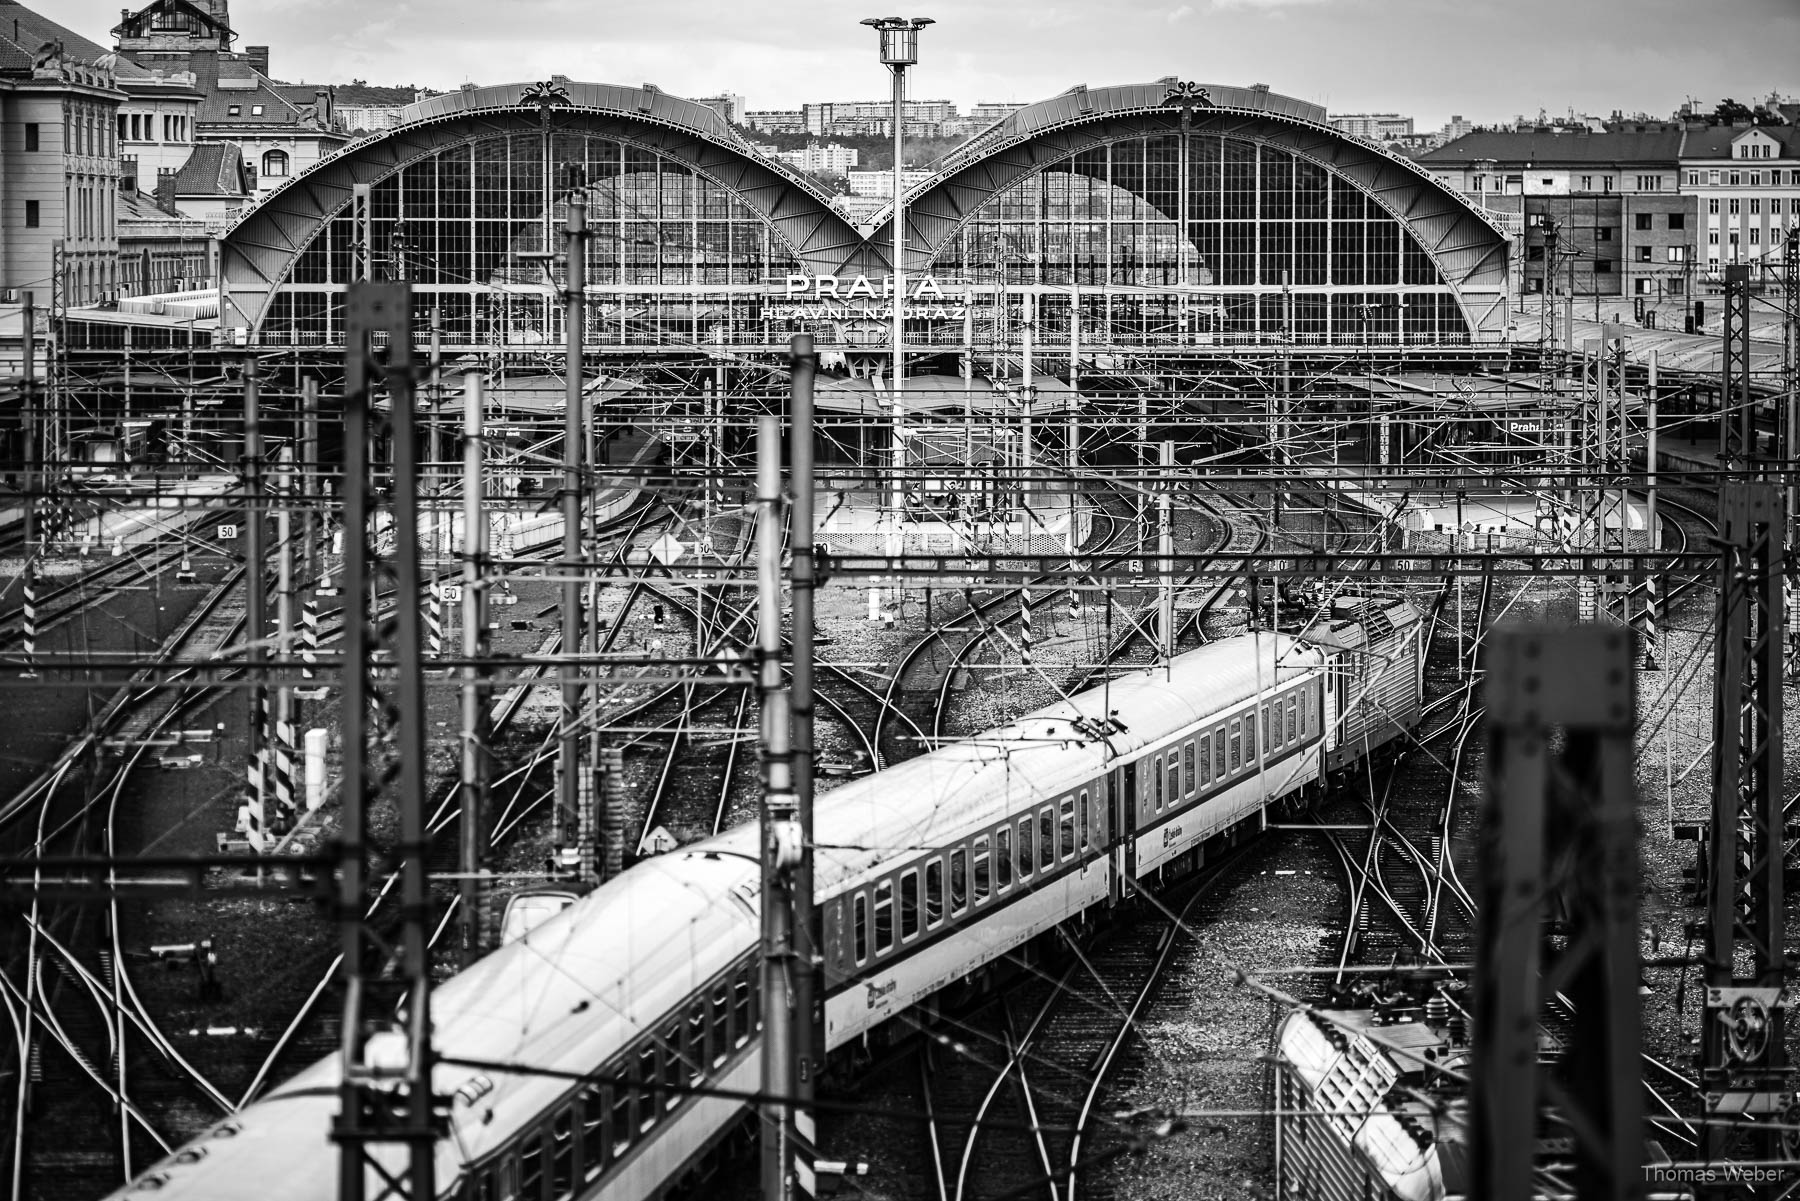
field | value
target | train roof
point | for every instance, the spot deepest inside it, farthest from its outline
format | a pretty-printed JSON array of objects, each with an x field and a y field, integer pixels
[
  {"x": 1349, "y": 1066},
  {"x": 933, "y": 800}
]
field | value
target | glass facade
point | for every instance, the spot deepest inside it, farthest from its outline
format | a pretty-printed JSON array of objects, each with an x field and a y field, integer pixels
[
  {"x": 457, "y": 223},
  {"x": 1168, "y": 240},
  {"x": 1274, "y": 244}
]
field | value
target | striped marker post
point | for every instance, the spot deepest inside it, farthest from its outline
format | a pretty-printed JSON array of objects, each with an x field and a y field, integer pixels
[
  {"x": 434, "y": 623},
  {"x": 309, "y": 639},
  {"x": 1025, "y": 637},
  {"x": 1652, "y": 619},
  {"x": 281, "y": 759},
  {"x": 28, "y": 618},
  {"x": 250, "y": 813},
  {"x": 806, "y": 1153}
]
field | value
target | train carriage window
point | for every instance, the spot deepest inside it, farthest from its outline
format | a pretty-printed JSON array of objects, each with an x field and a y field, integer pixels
[
  {"x": 860, "y": 922},
  {"x": 721, "y": 1024},
  {"x": 1087, "y": 841},
  {"x": 531, "y": 1168},
  {"x": 674, "y": 1065},
  {"x": 1249, "y": 739},
  {"x": 696, "y": 1042},
  {"x": 1158, "y": 773},
  {"x": 884, "y": 917},
  {"x": 1003, "y": 863},
  {"x": 1187, "y": 766},
  {"x": 484, "y": 1186},
  {"x": 1293, "y": 707},
  {"x": 622, "y": 1096},
  {"x": 1024, "y": 847},
  {"x": 909, "y": 904},
  {"x": 934, "y": 892},
  {"x": 1206, "y": 772},
  {"x": 1265, "y": 727},
  {"x": 959, "y": 880},
  {"x": 562, "y": 1154},
  {"x": 1174, "y": 781},
  {"x": 1046, "y": 837},
  {"x": 743, "y": 1008},
  {"x": 1066, "y": 828},
  {"x": 1219, "y": 769},
  {"x": 649, "y": 1079},
  {"x": 593, "y": 1131},
  {"x": 1236, "y": 745},
  {"x": 980, "y": 860}
]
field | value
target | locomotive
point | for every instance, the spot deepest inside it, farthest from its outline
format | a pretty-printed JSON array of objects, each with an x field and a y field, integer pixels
[{"x": 642, "y": 997}]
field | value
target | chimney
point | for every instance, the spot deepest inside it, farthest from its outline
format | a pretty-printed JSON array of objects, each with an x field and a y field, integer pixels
[
  {"x": 259, "y": 58},
  {"x": 165, "y": 192},
  {"x": 128, "y": 169}
]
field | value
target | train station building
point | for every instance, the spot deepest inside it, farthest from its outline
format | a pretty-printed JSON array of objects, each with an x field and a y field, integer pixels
[{"x": 1237, "y": 217}]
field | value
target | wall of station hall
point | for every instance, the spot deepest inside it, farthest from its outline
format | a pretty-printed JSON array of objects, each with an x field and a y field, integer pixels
[{"x": 1274, "y": 247}]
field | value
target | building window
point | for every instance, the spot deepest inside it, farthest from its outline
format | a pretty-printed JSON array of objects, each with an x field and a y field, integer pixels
[
  {"x": 31, "y": 214},
  {"x": 1677, "y": 254},
  {"x": 1712, "y": 205},
  {"x": 1606, "y": 183},
  {"x": 234, "y": 111},
  {"x": 1641, "y": 221},
  {"x": 1587, "y": 183},
  {"x": 275, "y": 162},
  {"x": 1755, "y": 234},
  {"x": 31, "y": 136},
  {"x": 1736, "y": 179},
  {"x": 1712, "y": 177},
  {"x": 1756, "y": 179},
  {"x": 1603, "y": 234},
  {"x": 1603, "y": 267},
  {"x": 1643, "y": 254},
  {"x": 1677, "y": 220},
  {"x": 1756, "y": 206},
  {"x": 1649, "y": 183},
  {"x": 1736, "y": 206},
  {"x": 1693, "y": 179},
  {"x": 1712, "y": 237},
  {"x": 256, "y": 110}
]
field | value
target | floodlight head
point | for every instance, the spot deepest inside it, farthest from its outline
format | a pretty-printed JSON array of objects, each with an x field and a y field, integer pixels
[{"x": 899, "y": 38}]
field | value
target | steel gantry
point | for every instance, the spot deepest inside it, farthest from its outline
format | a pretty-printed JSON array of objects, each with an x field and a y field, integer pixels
[
  {"x": 389, "y": 1123},
  {"x": 1743, "y": 1050},
  {"x": 1560, "y": 823}
]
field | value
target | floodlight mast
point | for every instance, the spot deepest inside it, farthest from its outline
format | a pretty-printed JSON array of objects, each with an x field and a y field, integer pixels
[{"x": 899, "y": 50}]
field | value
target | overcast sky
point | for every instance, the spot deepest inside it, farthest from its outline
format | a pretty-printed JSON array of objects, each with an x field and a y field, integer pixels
[{"x": 1425, "y": 58}]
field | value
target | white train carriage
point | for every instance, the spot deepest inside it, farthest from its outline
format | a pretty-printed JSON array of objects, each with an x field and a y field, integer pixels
[
  {"x": 1351, "y": 1124},
  {"x": 926, "y": 873}
]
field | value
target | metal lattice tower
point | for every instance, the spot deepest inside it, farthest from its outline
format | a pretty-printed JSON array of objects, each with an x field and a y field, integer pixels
[
  {"x": 1737, "y": 412},
  {"x": 1743, "y": 1052},
  {"x": 1560, "y": 821},
  {"x": 388, "y": 1125}
]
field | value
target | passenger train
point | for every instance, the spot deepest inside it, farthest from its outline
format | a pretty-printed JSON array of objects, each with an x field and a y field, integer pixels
[{"x": 929, "y": 874}]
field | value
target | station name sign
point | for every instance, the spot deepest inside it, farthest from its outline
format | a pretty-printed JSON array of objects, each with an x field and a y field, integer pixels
[{"x": 861, "y": 298}]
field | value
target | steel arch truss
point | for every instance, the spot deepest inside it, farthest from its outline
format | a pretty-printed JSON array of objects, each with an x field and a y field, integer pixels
[
  {"x": 1469, "y": 252},
  {"x": 257, "y": 256}
]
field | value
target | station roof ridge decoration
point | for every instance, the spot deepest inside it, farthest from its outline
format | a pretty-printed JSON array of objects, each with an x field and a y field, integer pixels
[{"x": 1470, "y": 251}]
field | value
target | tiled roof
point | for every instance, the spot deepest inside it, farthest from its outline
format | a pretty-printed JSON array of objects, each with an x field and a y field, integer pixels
[
  {"x": 209, "y": 68},
  {"x": 1715, "y": 141},
  {"x": 213, "y": 169},
  {"x": 1544, "y": 147},
  {"x": 350, "y": 95},
  {"x": 24, "y": 31}
]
